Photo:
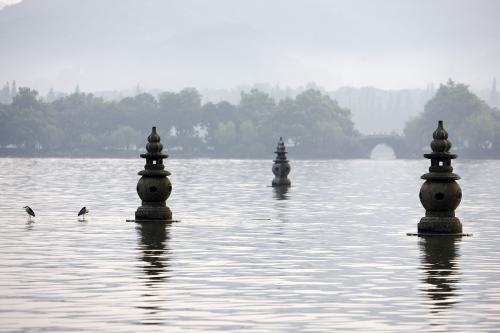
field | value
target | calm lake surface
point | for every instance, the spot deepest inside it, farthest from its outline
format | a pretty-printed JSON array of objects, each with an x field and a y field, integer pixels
[{"x": 331, "y": 254}]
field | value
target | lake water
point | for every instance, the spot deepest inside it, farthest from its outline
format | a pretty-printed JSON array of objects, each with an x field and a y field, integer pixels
[{"x": 331, "y": 254}]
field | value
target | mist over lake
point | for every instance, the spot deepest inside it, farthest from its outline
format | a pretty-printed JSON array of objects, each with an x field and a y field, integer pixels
[
  {"x": 330, "y": 252},
  {"x": 260, "y": 166}
]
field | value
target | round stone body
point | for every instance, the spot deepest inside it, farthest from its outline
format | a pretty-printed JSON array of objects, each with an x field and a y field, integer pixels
[
  {"x": 440, "y": 195},
  {"x": 154, "y": 189},
  {"x": 440, "y": 198},
  {"x": 153, "y": 192},
  {"x": 281, "y": 171}
]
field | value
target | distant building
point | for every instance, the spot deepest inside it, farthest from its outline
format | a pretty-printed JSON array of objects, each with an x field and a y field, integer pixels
[
  {"x": 5, "y": 97},
  {"x": 8, "y": 92},
  {"x": 494, "y": 98}
]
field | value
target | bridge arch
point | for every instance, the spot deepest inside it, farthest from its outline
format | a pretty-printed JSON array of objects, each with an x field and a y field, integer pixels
[
  {"x": 382, "y": 152},
  {"x": 396, "y": 142}
]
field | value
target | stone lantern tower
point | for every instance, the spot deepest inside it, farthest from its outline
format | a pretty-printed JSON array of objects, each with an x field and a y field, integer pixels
[
  {"x": 281, "y": 167},
  {"x": 154, "y": 187},
  {"x": 440, "y": 194}
]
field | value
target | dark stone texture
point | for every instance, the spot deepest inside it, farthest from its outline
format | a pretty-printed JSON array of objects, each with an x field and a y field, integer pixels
[
  {"x": 440, "y": 194},
  {"x": 281, "y": 167},
  {"x": 153, "y": 187},
  {"x": 440, "y": 225}
]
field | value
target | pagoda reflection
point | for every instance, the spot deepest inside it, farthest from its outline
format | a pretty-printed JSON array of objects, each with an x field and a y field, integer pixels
[
  {"x": 441, "y": 272},
  {"x": 280, "y": 192},
  {"x": 153, "y": 244}
]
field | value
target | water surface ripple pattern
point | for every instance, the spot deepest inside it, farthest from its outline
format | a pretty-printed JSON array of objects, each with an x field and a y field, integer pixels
[{"x": 330, "y": 253}]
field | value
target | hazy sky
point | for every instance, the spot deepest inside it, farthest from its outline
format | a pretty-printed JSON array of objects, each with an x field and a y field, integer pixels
[
  {"x": 8, "y": 2},
  {"x": 115, "y": 44}
]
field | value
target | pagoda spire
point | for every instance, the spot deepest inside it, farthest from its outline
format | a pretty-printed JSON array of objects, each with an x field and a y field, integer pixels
[
  {"x": 154, "y": 187},
  {"x": 281, "y": 166},
  {"x": 440, "y": 194}
]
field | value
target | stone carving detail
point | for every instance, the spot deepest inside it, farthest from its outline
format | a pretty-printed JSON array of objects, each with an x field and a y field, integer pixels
[
  {"x": 440, "y": 194},
  {"x": 281, "y": 167},
  {"x": 154, "y": 187}
]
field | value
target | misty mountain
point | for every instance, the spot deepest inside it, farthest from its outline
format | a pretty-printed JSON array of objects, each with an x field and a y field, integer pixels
[
  {"x": 115, "y": 44},
  {"x": 77, "y": 40}
]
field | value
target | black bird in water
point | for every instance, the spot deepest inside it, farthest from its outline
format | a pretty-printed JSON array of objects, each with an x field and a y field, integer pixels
[
  {"x": 83, "y": 211},
  {"x": 29, "y": 211}
]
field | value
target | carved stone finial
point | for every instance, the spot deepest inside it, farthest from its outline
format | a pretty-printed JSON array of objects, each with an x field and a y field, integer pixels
[
  {"x": 154, "y": 187},
  {"x": 281, "y": 166},
  {"x": 440, "y": 144},
  {"x": 440, "y": 194},
  {"x": 154, "y": 146}
]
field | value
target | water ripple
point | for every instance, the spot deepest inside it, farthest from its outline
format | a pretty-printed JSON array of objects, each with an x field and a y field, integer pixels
[{"x": 330, "y": 253}]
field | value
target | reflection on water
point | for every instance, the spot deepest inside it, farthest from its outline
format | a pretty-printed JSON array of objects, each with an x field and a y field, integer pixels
[
  {"x": 30, "y": 224},
  {"x": 153, "y": 245},
  {"x": 154, "y": 251},
  {"x": 328, "y": 254},
  {"x": 439, "y": 264},
  {"x": 280, "y": 192}
]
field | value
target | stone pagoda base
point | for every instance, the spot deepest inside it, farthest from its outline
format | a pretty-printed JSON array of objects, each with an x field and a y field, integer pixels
[
  {"x": 281, "y": 182},
  {"x": 152, "y": 214},
  {"x": 440, "y": 225}
]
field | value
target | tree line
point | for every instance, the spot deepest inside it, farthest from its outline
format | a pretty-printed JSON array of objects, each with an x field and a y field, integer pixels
[
  {"x": 473, "y": 126},
  {"x": 313, "y": 124}
]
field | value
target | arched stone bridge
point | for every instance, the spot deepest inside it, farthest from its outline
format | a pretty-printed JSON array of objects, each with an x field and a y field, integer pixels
[{"x": 396, "y": 142}]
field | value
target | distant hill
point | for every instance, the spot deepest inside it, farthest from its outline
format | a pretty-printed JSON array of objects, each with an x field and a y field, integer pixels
[
  {"x": 171, "y": 44},
  {"x": 149, "y": 41},
  {"x": 105, "y": 45}
]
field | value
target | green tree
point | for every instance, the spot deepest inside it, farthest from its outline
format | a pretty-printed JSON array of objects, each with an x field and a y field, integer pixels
[
  {"x": 81, "y": 113},
  {"x": 123, "y": 137},
  {"x": 139, "y": 111},
  {"x": 182, "y": 111},
  {"x": 257, "y": 109},
  {"x": 317, "y": 124},
  {"x": 29, "y": 123},
  {"x": 472, "y": 125},
  {"x": 89, "y": 141},
  {"x": 26, "y": 99},
  {"x": 214, "y": 118},
  {"x": 312, "y": 122},
  {"x": 212, "y": 114},
  {"x": 224, "y": 133}
]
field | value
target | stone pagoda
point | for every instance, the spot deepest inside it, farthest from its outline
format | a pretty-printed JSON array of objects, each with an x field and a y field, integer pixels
[
  {"x": 154, "y": 187},
  {"x": 281, "y": 167},
  {"x": 440, "y": 194}
]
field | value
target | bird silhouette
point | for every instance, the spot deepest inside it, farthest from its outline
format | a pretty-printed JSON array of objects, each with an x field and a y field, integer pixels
[
  {"x": 29, "y": 211},
  {"x": 83, "y": 211}
]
